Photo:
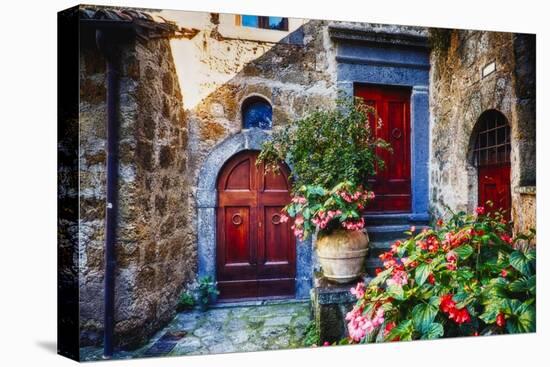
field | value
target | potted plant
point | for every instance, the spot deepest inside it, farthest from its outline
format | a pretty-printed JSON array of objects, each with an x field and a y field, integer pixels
[
  {"x": 332, "y": 154},
  {"x": 207, "y": 292}
]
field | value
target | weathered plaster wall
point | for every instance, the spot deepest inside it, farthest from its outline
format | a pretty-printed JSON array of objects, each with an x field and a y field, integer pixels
[
  {"x": 155, "y": 252},
  {"x": 459, "y": 95}
]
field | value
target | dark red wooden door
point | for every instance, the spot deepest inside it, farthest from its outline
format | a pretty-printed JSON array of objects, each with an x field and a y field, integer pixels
[
  {"x": 494, "y": 185},
  {"x": 391, "y": 185},
  {"x": 256, "y": 251},
  {"x": 492, "y": 157}
]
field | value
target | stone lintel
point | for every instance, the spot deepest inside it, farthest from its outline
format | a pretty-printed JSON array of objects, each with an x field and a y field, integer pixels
[{"x": 346, "y": 33}]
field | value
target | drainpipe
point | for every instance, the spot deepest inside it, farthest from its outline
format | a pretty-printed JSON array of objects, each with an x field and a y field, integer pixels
[{"x": 107, "y": 46}]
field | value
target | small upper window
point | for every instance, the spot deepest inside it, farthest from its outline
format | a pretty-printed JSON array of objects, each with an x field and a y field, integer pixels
[
  {"x": 257, "y": 112},
  {"x": 254, "y": 21}
]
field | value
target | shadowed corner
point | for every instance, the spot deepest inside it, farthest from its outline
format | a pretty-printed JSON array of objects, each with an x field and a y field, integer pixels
[{"x": 48, "y": 345}]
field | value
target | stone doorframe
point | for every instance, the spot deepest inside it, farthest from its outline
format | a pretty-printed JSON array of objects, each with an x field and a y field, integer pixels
[
  {"x": 392, "y": 56},
  {"x": 207, "y": 201}
]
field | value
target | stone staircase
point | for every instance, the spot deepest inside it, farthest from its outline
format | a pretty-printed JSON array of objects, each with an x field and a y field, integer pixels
[{"x": 385, "y": 229}]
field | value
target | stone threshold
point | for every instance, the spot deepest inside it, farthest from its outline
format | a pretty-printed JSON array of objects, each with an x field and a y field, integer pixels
[{"x": 262, "y": 302}]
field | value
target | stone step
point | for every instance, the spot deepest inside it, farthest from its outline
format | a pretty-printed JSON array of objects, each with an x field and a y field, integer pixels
[
  {"x": 382, "y": 233},
  {"x": 400, "y": 218},
  {"x": 371, "y": 264},
  {"x": 378, "y": 247}
]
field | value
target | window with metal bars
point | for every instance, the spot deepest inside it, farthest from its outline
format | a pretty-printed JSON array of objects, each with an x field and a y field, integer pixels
[{"x": 492, "y": 145}]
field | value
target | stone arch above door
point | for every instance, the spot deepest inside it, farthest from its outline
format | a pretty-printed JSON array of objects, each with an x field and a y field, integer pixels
[{"x": 206, "y": 200}]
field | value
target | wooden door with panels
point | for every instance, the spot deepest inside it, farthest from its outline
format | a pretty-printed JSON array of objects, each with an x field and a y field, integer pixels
[
  {"x": 492, "y": 158},
  {"x": 391, "y": 185},
  {"x": 256, "y": 251}
]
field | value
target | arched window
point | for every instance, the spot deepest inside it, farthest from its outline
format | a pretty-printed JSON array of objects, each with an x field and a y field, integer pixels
[
  {"x": 493, "y": 140},
  {"x": 257, "y": 112},
  {"x": 491, "y": 157}
]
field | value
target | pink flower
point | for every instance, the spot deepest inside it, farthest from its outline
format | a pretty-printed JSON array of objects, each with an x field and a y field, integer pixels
[
  {"x": 451, "y": 266},
  {"x": 299, "y": 220},
  {"x": 395, "y": 246},
  {"x": 378, "y": 317},
  {"x": 326, "y": 344},
  {"x": 299, "y": 200},
  {"x": 451, "y": 256},
  {"x": 399, "y": 277},
  {"x": 359, "y": 290},
  {"x": 284, "y": 218},
  {"x": 360, "y": 325},
  {"x": 504, "y": 273},
  {"x": 299, "y": 233},
  {"x": 413, "y": 229}
]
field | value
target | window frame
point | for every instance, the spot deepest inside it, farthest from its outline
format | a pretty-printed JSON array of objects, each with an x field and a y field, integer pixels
[{"x": 263, "y": 22}]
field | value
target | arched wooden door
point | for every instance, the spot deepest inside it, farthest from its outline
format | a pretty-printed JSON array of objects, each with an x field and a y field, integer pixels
[
  {"x": 492, "y": 158},
  {"x": 256, "y": 251}
]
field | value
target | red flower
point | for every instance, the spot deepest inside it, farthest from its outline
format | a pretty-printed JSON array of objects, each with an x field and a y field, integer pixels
[
  {"x": 458, "y": 315},
  {"x": 377, "y": 271},
  {"x": 447, "y": 303},
  {"x": 503, "y": 273},
  {"x": 506, "y": 238},
  {"x": 389, "y": 326},
  {"x": 501, "y": 320},
  {"x": 433, "y": 244},
  {"x": 386, "y": 256},
  {"x": 480, "y": 210},
  {"x": 440, "y": 222},
  {"x": 431, "y": 279}
]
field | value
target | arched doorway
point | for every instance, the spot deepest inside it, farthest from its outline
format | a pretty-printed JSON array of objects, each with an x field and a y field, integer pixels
[
  {"x": 491, "y": 157},
  {"x": 256, "y": 251}
]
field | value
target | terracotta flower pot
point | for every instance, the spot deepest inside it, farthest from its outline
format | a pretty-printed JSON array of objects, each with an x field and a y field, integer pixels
[{"x": 342, "y": 254}]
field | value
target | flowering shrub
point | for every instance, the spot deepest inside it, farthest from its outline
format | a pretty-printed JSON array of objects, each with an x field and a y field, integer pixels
[
  {"x": 314, "y": 207},
  {"x": 467, "y": 276},
  {"x": 327, "y": 147},
  {"x": 332, "y": 154}
]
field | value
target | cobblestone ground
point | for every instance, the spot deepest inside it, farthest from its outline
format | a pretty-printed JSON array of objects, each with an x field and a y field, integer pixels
[{"x": 224, "y": 330}]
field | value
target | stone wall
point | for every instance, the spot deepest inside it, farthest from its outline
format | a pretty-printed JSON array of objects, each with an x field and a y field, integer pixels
[
  {"x": 458, "y": 97},
  {"x": 156, "y": 255},
  {"x": 296, "y": 77}
]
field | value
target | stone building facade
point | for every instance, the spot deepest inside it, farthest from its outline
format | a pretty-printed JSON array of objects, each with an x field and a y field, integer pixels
[
  {"x": 181, "y": 97},
  {"x": 460, "y": 94}
]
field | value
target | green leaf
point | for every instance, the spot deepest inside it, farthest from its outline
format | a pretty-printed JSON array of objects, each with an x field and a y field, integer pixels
[
  {"x": 522, "y": 262},
  {"x": 523, "y": 285},
  {"x": 434, "y": 331},
  {"x": 464, "y": 251},
  {"x": 490, "y": 315},
  {"x": 522, "y": 317},
  {"x": 291, "y": 210},
  {"x": 464, "y": 274},
  {"x": 381, "y": 277},
  {"x": 423, "y": 315},
  {"x": 403, "y": 331},
  {"x": 396, "y": 291},
  {"x": 497, "y": 288},
  {"x": 422, "y": 272}
]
